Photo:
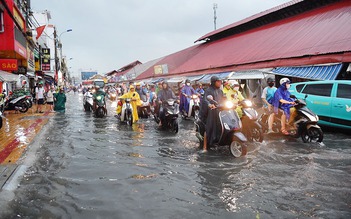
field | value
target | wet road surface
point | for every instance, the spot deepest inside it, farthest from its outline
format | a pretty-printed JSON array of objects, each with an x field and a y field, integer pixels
[{"x": 87, "y": 167}]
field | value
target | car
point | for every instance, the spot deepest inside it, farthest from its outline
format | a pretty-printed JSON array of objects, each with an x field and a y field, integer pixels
[{"x": 330, "y": 100}]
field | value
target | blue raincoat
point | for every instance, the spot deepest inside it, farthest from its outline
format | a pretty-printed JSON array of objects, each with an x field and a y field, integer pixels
[{"x": 282, "y": 93}]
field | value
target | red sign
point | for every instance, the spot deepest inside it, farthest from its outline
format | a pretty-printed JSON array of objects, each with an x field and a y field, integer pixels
[{"x": 8, "y": 64}]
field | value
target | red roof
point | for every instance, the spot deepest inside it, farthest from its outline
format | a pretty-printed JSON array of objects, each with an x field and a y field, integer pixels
[{"x": 318, "y": 36}]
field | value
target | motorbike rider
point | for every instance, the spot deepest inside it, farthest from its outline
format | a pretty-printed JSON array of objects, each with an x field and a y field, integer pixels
[
  {"x": 210, "y": 116},
  {"x": 233, "y": 94},
  {"x": 134, "y": 96},
  {"x": 199, "y": 90},
  {"x": 283, "y": 101},
  {"x": 98, "y": 92},
  {"x": 186, "y": 93},
  {"x": 163, "y": 95},
  {"x": 267, "y": 98}
]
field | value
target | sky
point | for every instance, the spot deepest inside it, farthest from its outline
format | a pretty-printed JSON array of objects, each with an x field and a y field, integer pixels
[{"x": 109, "y": 34}]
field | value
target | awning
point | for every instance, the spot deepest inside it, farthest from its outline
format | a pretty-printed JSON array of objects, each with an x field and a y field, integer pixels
[
  {"x": 195, "y": 78},
  {"x": 315, "y": 72},
  {"x": 176, "y": 80},
  {"x": 246, "y": 75},
  {"x": 8, "y": 77},
  {"x": 222, "y": 76},
  {"x": 156, "y": 80}
]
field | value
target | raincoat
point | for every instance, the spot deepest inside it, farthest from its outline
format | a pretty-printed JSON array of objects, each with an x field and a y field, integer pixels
[
  {"x": 60, "y": 102},
  {"x": 282, "y": 93},
  {"x": 235, "y": 97},
  {"x": 185, "y": 100},
  {"x": 134, "y": 104},
  {"x": 211, "y": 117}
]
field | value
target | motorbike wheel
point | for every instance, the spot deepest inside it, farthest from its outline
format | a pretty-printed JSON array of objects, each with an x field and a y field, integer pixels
[
  {"x": 237, "y": 147},
  {"x": 0, "y": 122},
  {"x": 175, "y": 126},
  {"x": 129, "y": 119},
  {"x": 100, "y": 113},
  {"x": 87, "y": 108},
  {"x": 196, "y": 114},
  {"x": 256, "y": 134},
  {"x": 312, "y": 134},
  {"x": 23, "y": 108}
]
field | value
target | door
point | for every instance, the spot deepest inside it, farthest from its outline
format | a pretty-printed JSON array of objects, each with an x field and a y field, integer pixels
[{"x": 341, "y": 104}]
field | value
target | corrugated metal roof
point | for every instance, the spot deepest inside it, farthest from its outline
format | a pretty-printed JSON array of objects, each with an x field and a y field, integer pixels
[
  {"x": 319, "y": 72},
  {"x": 318, "y": 36}
]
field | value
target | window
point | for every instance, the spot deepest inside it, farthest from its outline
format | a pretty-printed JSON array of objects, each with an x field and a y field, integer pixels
[
  {"x": 2, "y": 29},
  {"x": 299, "y": 87},
  {"x": 344, "y": 91},
  {"x": 318, "y": 89}
]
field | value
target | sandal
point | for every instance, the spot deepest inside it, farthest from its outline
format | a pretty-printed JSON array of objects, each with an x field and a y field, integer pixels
[{"x": 284, "y": 132}]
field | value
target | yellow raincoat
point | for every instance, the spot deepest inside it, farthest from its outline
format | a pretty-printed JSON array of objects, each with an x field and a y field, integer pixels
[
  {"x": 235, "y": 97},
  {"x": 135, "y": 103}
]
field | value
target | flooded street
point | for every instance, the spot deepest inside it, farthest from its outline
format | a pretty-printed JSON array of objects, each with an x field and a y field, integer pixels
[{"x": 88, "y": 167}]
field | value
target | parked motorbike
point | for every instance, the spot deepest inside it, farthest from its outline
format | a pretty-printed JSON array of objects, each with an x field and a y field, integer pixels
[
  {"x": 18, "y": 103},
  {"x": 252, "y": 129},
  {"x": 88, "y": 101},
  {"x": 305, "y": 122},
  {"x": 101, "y": 110},
  {"x": 127, "y": 111},
  {"x": 171, "y": 111},
  {"x": 144, "y": 110},
  {"x": 230, "y": 128},
  {"x": 194, "y": 107}
]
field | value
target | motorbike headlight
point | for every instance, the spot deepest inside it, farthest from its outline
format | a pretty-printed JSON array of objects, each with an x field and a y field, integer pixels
[
  {"x": 248, "y": 103},
  {"x": 194, "y": 96},
  {"x": 98, "y": 98},
  {"x": 229, "y": 104}
]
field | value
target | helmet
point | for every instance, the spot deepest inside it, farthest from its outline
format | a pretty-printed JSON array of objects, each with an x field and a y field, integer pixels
[
  {"x": 235, "y": 83},
  {"x": 284, "y": 80},
  {"x": 269, "y": 80},
  {"x": 214, "y": 79},
  {"x": 187, "y": 81}
]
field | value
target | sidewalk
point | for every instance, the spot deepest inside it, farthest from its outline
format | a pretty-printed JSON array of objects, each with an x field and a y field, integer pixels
[{"x": 18, "y": 131}]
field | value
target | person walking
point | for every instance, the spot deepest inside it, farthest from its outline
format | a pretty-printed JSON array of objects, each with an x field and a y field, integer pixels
[
  {"x": 50, "y": 98},
  {"x": 267, "y": 98},
  {"x": 39, "y": 96},
  {"x": 60, "y": 101}
]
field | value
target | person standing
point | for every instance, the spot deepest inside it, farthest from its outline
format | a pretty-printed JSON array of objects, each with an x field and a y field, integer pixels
[
  {"x": 39, "y": 96},
  {"x": 60, "y": 101},
  {"x": 50, "y": 98},
  {"x": 267, "y": 98}
]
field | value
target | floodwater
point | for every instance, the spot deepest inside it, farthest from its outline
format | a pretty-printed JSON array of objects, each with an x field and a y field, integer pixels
[{"x": 90, "y": 167}]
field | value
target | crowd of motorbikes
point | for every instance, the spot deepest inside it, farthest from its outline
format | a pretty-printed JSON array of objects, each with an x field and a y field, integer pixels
[{"x": 236, "y": 132}]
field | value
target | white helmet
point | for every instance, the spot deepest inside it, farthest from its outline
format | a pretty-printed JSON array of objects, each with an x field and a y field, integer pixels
[
  {"x": 235, "y": 83},
  {"x": 283, "y": 80}
]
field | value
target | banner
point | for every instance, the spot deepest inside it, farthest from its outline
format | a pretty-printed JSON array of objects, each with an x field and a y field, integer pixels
[{"x": 8, "y": 64}]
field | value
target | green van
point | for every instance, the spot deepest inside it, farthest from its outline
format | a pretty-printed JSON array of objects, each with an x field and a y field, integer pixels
[{"x": 330, "y": 100}]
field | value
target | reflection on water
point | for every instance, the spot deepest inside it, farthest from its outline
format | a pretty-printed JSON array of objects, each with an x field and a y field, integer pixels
[{"x": 99, "y": 168}]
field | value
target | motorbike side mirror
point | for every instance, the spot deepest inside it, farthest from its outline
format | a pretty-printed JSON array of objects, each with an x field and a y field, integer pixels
[{"x": 209, "y": 97}]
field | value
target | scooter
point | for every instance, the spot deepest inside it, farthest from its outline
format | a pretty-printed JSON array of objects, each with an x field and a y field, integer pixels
[
  {"x": 144, "y": 110},
  {"x": 101, "y": 110},
  {"x": 16, "y": 104},
  {"x": 88, "y": 102},
  {"x": 171, "y": 111},
  {"x": 252, "y": 129},
  {"x": 127, "y": 111},
  {"x": 230, "y": 128},
  {"x": 305, "y": 122},
  {"x": 194, "y": 107}
]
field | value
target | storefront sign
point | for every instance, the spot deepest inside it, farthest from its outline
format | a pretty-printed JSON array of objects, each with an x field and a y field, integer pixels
[
  {"x": 45, "y": 60},
  {"x": 8, "y": 64}
]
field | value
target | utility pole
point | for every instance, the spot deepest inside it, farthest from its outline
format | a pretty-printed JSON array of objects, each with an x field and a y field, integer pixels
[
  {"x": 214, "y": 15},
  {"x": 56, "y": 58}
]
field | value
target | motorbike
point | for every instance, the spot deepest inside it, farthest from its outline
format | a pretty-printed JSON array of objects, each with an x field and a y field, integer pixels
[
  {"x": 230, "y": 128},
  {"x": 18, "y": 104},
  {"x": 100, "y": 110},
  {"x": 171, "y": 111},
  {"x": 194, "y": 107},
  {"x": 305, "y": 122},
  {"x": 2, "y": 107},
  {"x": 145, "y": 109},
  {"x": 252, "y": 129},
  {"x": 88, "y": 102},
  {"x": 127, "y": 111},
  {"x": 112, "y": 94}
]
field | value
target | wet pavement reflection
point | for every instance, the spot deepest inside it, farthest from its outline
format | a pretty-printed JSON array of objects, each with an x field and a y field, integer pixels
[{"x": 98, "y": 168}]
